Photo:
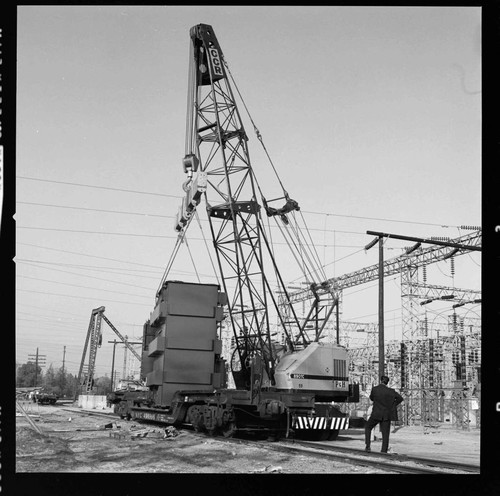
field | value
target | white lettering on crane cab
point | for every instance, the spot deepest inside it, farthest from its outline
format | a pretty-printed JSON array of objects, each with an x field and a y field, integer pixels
[{"x": 216, "y": 62}]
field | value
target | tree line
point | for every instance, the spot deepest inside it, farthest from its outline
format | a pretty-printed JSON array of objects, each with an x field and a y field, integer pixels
[{"x": 56, "y": 381}]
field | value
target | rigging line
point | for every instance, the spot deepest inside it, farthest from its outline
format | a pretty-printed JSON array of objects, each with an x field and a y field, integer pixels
[
  {"x": 206, "y": 247},
  {"x": 170, "y": 261},
  {"x": 308, "y": 251},
  {"x": 257, "y": 132},
  {"x": 97, "y": 187},
  {"x": 338, "y": 260},
  {"x": 300, "y": 248},
  {"x": 312, "y": 247},
  {"x": 304, "y": 255},
  {"x": 295, "y": 253},
  {"x": 191, "y": 257}
]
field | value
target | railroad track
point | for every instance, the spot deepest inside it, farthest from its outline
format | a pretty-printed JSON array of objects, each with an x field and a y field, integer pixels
[
  {"x": 80, "y": 411},
  {"x": 423, "y": 465},
  {"x": 401, "y": 464},
  {"x": 404, "y": 464}
]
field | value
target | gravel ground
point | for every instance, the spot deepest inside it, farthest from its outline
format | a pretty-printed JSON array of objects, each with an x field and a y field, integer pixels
[{"x": 74, "y": 443}]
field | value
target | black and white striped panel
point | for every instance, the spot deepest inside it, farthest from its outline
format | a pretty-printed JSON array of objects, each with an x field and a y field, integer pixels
[{"x": 321, "y": 423}]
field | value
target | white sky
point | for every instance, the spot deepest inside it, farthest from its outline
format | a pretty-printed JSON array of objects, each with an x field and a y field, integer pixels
[{"x": 371, "y": 116}]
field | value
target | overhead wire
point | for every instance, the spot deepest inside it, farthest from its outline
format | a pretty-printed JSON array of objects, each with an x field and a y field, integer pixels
[
  {"x": 82, "y": 287},
  {"x": 86, "y": 255},
  {"x": 122, "y": 190},
  {"x": 87, "y": 209},
  {"x": 80, "y": 297},
  {"x": 89, "y": 277},
  {"x": 179, "y": 197}
]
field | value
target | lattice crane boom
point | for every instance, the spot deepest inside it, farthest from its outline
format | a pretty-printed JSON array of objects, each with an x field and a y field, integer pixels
[{"x": 93, "y": 341}]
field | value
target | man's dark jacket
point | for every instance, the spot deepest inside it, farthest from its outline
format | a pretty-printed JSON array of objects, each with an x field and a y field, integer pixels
[{"x": 385, "y": 400}]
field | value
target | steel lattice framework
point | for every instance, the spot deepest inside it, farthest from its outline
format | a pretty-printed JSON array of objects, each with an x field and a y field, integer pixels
[
  {"x": 416, "y": 362},
  {"x": 396, "y": 265}
]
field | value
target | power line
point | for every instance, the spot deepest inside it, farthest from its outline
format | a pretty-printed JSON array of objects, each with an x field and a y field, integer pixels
[
  {"x": 109, "y": 270},
  {"x": 98, "y": 187},
  {"x": 96, "y": 232},
  {"x": 378, "y": 218},
  {"x": 363, "y": 233},
  {"x": 95, "y": 210},
  {"x": 83, "y": 287},
  {"x": 179, "y": 197},
  {"x": 82, "y": 297},
  {"x": 151, "y": 235},
  {"x": 87, "y": 255},
  {"x": 89, "y": 277}
]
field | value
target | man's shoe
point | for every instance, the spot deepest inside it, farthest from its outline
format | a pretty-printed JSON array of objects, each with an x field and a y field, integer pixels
[{"x": 368, "y": 449}]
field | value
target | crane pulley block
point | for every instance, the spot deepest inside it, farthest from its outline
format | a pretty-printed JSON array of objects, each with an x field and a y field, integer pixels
[
  {"x": 190, "y": 163},
  {"x": 208, "y": 55},
  {"x": 194, "y": 191}
]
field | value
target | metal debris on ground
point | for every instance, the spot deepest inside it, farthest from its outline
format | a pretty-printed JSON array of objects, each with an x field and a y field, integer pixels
[
  {"x": 171, "y": 432},
  {"x": 119, "y": 434},
  {"x": 151, "y": 432}
]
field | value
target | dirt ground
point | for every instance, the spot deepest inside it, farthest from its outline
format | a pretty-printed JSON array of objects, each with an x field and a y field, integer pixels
[{"x": 70, "y": 443}]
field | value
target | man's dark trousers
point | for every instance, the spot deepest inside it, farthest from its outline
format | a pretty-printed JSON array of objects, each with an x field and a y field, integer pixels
[
  {"x": 385, "y": 400},
  {"x": 385, "y": 427}
]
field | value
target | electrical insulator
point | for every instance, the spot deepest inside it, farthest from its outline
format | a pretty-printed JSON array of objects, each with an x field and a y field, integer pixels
[
  {"x": 452, "y": 266},
  {"x": 424, "y": 273},
  {"x": 470, "y": 228}
]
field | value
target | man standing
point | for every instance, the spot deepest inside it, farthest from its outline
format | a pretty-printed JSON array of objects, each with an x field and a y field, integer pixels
[{"x": 385, "y": 400}]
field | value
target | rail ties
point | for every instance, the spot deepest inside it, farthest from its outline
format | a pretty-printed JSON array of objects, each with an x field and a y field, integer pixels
[{"x": 393, "y": 461}]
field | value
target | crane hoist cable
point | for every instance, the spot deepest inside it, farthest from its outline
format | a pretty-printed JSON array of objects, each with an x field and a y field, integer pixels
[
  {"x": 198, "y": 220},
  {"x": 192, "y": 259}
]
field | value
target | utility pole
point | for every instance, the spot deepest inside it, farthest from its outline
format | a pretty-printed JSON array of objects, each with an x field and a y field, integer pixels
[
  {"x": 125, "y": 360},
  {"x": 64, "y": 357},
  {"x": 36, "y": 368},
  {"x": 115, "y": 342},
  {"x": 37, "y": 359},
  {"x": 63, "y": 376},
  {"x": 381, "y": 353}
]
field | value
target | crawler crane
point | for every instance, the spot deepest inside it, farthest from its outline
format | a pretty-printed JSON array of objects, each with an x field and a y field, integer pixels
[{"x": 284, "y": 387}]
